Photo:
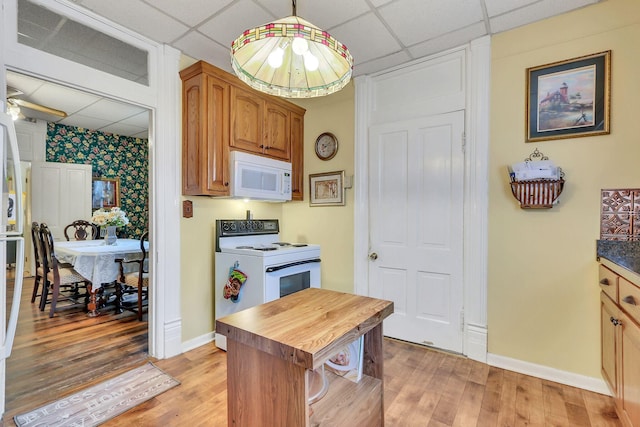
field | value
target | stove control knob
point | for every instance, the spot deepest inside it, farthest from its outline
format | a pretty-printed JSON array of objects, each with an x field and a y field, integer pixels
[{"x": 373, "y": 256}]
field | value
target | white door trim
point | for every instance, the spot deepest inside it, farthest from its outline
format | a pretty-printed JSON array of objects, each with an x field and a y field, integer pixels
[
  {"x": 477, "y": 71},
  {"x": 163, "y": 99}
]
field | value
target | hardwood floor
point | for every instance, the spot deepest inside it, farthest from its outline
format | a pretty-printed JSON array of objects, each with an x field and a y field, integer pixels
[{"x": 423, "y": 387}]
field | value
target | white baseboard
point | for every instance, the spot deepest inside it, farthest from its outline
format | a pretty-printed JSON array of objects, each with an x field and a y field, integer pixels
[
  {"x": 596, "y": 385},
  {"x": 198, "y": 341},
  {"x": 172, "y": 338},
  {"x": 476, "y": 343}
]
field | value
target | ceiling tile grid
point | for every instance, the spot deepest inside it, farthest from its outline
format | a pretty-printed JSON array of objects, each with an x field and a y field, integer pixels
[{"x": 379, "y": 33}]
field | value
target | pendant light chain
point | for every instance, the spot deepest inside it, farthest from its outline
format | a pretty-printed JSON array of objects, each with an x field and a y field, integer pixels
[{"x": 293, "y": 7}]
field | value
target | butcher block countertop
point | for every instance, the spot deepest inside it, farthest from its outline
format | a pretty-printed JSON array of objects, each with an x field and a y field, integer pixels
[
  {"x": 306, "y": 327},
  {"x": 273, "y": 347}
]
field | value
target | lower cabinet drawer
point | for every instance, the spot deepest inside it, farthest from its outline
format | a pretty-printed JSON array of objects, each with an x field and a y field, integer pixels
[
  {"x": 629, "y": 298},
  {"x": 608, "y": 281}
]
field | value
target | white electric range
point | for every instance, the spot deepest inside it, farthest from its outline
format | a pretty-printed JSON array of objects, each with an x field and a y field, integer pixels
[{"x": 253, "y": 266}]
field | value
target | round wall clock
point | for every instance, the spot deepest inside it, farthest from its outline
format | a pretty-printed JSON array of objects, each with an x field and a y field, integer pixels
[{"x": 326, "y": 146}]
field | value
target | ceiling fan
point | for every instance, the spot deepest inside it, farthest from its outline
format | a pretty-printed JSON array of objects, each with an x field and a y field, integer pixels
[{"x": 14, "y": 103}]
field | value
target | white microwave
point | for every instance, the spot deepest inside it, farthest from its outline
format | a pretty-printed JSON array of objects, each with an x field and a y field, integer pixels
[{"x": 259, "y": 178}]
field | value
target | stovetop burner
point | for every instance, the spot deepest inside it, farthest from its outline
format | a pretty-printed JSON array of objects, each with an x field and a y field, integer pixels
[{"x": 258, "y": 248}]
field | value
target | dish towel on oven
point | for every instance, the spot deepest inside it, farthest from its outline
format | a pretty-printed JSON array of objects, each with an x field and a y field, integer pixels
[{"x": 234, "y": 284}]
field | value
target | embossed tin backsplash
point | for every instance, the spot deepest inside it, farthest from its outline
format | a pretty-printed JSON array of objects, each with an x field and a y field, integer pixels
[{"x": 620, "y": 214}]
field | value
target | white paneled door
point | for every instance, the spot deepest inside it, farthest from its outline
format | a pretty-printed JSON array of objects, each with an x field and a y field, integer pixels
[
  {"x": 60, "y": 194},
  {"x": 416, "y": 172}
]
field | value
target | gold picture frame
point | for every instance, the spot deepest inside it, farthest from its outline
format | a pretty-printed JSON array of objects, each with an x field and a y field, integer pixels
[
  {"x": 105, "y": 193},
  {"x": 569, "y": 99},
  {"x": 326, "y": 189}
]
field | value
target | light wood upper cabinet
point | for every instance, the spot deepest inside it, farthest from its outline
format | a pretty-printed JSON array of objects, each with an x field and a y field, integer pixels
[
  {"x": 221, "y": 113},
  {"x": 297, "y": 156},
  {"x": 205, "y": 140},
  {"x": 277, "y": 138},
  {"x": 247, "y": 121},
  {"x": 259, "y": 126}
]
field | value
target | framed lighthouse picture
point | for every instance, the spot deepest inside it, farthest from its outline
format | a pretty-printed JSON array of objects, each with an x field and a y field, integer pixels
[{"x": 568, "y": 99}]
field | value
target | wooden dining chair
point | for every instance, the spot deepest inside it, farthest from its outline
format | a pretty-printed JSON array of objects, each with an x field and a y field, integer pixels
[
  {"x": 136, "y": 282},
  {"x": 60, "y": 277},
  {"x": 82, "y": 230},
  {"x": 40, "y": 275}
]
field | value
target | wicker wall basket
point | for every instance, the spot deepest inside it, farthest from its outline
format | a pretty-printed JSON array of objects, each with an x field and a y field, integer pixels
[{"x": 540, "y": 194}]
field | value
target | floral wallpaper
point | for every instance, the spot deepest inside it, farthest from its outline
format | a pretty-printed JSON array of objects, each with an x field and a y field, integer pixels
[{"x": 112, "y": 156}]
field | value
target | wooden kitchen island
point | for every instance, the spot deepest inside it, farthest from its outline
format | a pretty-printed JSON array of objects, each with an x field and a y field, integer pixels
[{"x": 271, "y": 349}]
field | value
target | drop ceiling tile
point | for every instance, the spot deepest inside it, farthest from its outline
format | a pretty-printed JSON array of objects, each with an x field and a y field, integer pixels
[
  {"x": 198, "y": 46},
  {"x": 378, "y": 42},
  {"x": 25, "y": 84},
  {"x": 448, "y": 41},
  {"x": 193, "y": 13},
  {"x": 228, "y": 25},
  {"x": 533, "y": 13},
  {"x": 382, "y": 63},
  {"x": 140, "y": 17},
  {"x": 497, "y": 7},
  {"x": 414, "y": 21},
  {"x": 121, "y": 129},
  {"x": 329, "y": 13},
  {"x": 85, "y": 122},
  {"x": 111, "y": 110},
  {"x": 63, "y": 98},
  {"x": 378, "y": 3},
  {"x": 140, "y": 120}
]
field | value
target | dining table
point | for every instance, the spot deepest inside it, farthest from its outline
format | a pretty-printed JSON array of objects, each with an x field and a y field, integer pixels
[{"x": 95, "y": 261}]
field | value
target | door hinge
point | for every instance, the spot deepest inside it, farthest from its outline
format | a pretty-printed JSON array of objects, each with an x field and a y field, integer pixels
[
  {"x": 461, "y": 320},
  {"x": 464, "y": 141}
]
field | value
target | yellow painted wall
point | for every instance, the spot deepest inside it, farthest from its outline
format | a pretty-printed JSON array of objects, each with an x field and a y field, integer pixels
[
  {"x": 329, "y": 226},
  {"x": 197, "y": 248},
  {"x": 542, "y": 285}
]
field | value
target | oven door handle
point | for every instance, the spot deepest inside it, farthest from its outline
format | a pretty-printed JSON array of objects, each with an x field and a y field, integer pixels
[{"x": 292, "y": 264}]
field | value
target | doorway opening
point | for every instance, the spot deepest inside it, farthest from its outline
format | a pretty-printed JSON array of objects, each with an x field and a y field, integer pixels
[{"x": 59, "y": 354}]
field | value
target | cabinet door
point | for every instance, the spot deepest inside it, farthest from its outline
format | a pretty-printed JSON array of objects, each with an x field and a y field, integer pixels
[
  {"x": 277, "y": 138},
  {"x": 297, "y": 156},
  {"x": 608, "y": 315},
  {"x": 247, "y": 121},
  {"x": 205, "y": 143},
  {"x": 216, "y": 134},
  {"x": 630, "y": 371}
]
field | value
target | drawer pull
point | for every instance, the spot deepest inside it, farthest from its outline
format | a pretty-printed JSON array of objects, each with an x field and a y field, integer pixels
[
  {"x": 604, "y": 282},
  {"x": 629, "y": 300}
]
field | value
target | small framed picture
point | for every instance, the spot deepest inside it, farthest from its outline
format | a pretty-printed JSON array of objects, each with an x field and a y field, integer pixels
[
  {"x": 326, "y": 189},
  {"x": 105, "y": 193},
  {"x": 569, "y": 99}
]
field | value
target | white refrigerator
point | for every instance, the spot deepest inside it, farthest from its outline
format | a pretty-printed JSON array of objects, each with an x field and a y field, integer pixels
[{"x": 11, "y": 229}]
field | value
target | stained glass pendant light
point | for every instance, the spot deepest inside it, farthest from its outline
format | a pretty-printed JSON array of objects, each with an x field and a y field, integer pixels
[{"x": 291, "y": 58}]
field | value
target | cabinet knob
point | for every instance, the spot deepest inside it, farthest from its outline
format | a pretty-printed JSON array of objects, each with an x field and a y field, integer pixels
[
  {"x": 604, "y": 282},
  {"x": 615, "y": 321},
  {"x": 373, "y": 256},
  {"x": 226, "y": 184},
  {"x": 261, "y": 145},
  {"x": 629, "y": 300}
]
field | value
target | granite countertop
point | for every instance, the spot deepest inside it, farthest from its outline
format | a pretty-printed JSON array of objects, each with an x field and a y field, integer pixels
[{"x": 625, "y": 254}]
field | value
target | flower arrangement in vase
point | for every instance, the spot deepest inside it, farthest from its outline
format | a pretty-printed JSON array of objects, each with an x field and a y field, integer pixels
[{"x": 108, "y": 221}]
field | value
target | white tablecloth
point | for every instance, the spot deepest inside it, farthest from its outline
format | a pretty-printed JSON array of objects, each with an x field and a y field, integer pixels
[{"x": 95, "y": 260}]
